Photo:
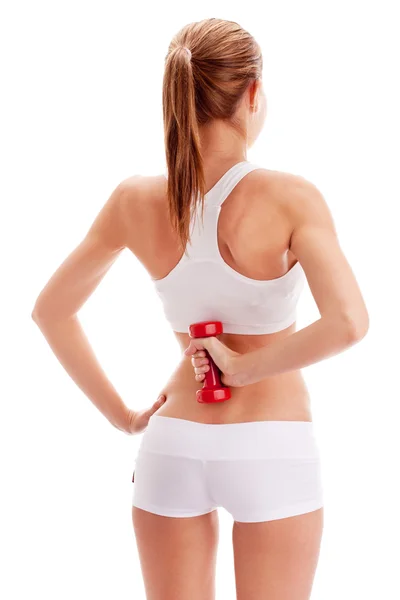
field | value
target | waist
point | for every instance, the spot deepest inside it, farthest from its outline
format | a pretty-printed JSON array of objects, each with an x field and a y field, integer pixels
[
  {"x": 281, "y": 397},
  {"x": 254, "y": 439}
]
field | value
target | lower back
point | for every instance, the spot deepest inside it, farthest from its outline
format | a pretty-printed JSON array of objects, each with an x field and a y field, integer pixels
[{"x": 282, "y": 397}]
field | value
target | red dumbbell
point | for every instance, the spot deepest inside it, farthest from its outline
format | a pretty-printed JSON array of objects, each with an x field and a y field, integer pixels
[{"x": 213, "y": 389}]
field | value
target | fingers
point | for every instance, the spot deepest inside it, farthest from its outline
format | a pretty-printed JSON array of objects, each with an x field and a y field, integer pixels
[
  {"x": 195, "y": 345},
  {"x": 191, "y": 349},
  {"x": 160, "y": 400},
  {"x": 155, "y": 406},
  {"x": 199, "y": 362},
  {"x": 201, "y": 370},
  {"x": 199, "y": 358}
]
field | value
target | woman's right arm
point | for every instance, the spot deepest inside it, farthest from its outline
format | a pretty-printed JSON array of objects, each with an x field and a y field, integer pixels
[{"x": 343, "y": 319}]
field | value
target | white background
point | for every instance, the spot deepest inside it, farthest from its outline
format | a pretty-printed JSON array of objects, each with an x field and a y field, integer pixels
[{"x": 81, "y": 110}]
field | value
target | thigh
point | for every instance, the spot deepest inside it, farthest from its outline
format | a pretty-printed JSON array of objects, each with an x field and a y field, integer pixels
[
  {"x": 277, "y": 506},
  {"x": 177, "y": 554},
  {"x": 277, "y": 559},
  {"x": 176, "y": 527}
]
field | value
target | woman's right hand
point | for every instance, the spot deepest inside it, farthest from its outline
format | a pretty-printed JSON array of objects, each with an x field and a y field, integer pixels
[
  {"x": 201, "y": 364},
  {"x": 138, "y": 420},
  {"x": 225, "y": 359}
]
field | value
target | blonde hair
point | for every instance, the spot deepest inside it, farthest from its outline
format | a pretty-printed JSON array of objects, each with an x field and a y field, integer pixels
[{"x": 208, "y": 67}]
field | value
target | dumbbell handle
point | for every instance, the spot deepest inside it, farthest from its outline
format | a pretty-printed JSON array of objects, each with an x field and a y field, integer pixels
[{"x": 213, "y": 389}]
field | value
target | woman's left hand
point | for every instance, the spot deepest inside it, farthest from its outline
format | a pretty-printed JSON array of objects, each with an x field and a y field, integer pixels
[{"x": 223, "y": 357}]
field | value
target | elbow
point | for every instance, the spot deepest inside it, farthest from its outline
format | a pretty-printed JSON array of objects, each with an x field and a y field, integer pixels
[
  {"x": 46, "y": 313},
  {"x": 37, "y": 310},
  {"x": 35, "y": 314},
  {"x": 355, "y": 327},
  {"x": 38, "y": 313}
]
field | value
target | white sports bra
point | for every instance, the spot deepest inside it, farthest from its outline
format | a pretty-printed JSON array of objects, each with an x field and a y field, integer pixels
[{"x": 203, "y": 287}]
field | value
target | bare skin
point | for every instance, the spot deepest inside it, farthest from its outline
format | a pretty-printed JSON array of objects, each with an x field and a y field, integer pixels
[{"x": 270, "y": 220}]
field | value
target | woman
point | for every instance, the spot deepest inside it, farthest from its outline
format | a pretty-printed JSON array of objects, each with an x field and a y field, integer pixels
[{"x": 223, "y": 239}]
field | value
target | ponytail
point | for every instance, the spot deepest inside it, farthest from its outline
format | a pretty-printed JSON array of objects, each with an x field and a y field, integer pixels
[
  {"x": 186, "y": 186},
  {"x": 201, "y": 84}
]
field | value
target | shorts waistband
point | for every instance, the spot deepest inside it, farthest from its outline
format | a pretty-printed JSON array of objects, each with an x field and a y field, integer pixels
[{"x": 209, "y": 441}]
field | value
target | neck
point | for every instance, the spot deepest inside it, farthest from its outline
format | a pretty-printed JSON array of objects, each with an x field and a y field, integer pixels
[{"x": 221, "y": 144}]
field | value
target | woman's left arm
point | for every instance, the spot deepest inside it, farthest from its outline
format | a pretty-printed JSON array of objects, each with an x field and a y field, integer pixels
[
  {"x": 343, "y": 319},
  {"x": 56, "y": 308}
]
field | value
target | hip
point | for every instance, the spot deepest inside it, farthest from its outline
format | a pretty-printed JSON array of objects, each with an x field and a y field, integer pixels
[{"x": 257, "y": 471}]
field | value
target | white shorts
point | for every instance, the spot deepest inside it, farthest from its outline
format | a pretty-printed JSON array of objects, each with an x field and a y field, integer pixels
[{"x": 257, "y": 470}]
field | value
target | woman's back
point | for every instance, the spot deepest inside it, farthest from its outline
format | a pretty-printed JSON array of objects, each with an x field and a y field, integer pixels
[{"x": 254, "y": 231}]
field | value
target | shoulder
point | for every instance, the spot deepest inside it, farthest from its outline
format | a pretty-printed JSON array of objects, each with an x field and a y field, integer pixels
[
  {"x": 136, "y": 189},
  {"x": 284, "y": 184},
  {"x": 137, "y": 205},
  {"x": 280, "y": 185},
  {"x": 300, "y": 200},
  {"x": 138, "y": 194}
]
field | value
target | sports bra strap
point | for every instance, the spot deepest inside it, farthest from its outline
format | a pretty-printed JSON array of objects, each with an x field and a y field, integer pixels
[
  {"x": 218, "y": 194},
  {"x": 204, "y": 240}
]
